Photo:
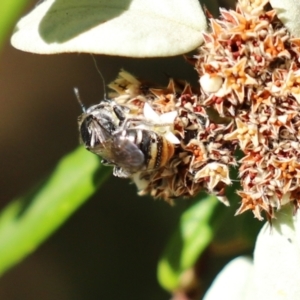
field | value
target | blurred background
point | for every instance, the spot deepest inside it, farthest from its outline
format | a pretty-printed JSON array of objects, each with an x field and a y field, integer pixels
[{"x": 110, "y": 247}]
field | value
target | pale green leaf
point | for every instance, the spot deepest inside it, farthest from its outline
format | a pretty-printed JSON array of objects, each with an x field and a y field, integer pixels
[
  {"x": 138, "y": 28},
  {"x": 191, "y": 237},
  {"x": 26, "y": 222},
  {"x": 208, "y": 222}
]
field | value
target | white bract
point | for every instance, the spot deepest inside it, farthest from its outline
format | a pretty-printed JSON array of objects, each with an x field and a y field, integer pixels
[
  {"x": 277, "y": 258},
  {"x": 162, "y": 124},
  {"x": 138, "y": 28},
  {"x": 288, "y": 12},
  {"x": 274, "y": 273},
  {"x": 232, "y": 282}
]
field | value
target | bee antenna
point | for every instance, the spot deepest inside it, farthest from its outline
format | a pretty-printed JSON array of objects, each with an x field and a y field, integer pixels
[
  {"x": 76, "y": 92},
  {"x": 101, "y": 75}
]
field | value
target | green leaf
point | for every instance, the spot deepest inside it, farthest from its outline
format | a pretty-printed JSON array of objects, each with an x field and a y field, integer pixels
[
  {"x": 29, "y": 220},
  {"x": 9, "y": 12},
  {"x": 138, "y": 28},
  {"x": 233, "y": 234},
  {"x": 206, "y": 223},
  {"x": 191, "y": 238}
]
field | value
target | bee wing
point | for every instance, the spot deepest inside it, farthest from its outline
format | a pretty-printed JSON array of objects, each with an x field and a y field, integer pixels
[{"x": 127, "y": 154}]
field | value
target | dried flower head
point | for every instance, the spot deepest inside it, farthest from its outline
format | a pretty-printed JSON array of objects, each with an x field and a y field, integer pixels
[
  {"x": 201, "y": 157},
  {"x": 254, "y": 56},
  {"x": 249, "y": 74}
]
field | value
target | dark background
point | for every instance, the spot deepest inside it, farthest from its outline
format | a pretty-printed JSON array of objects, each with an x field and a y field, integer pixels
[{"x": 109, "y": 248}]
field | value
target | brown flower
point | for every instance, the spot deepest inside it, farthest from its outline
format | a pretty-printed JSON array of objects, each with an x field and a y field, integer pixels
[
  {"x": 249, "y": 97},
  {"x": 258, "y": 61}
]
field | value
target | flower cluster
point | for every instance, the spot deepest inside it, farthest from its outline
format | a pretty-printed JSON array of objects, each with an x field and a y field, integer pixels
[
  {"x": 249, "y": 72},
  {"x": 202, "y": 156}
]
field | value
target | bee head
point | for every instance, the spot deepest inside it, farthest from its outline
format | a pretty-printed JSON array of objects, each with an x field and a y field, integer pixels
[{"x": 96, "y": 127}]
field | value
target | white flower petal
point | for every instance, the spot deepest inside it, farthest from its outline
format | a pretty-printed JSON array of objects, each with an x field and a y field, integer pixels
[
  {"x": 168, "y": 118},
  {"x": 150, "y": 114},
  {"x": 171, "y": 137}
]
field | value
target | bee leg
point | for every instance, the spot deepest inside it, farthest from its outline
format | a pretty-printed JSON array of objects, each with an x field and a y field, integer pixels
[
  {"x": 119, "y": 113},
  {"x": 119, "y": 172},
  {"x": 106, "y": 162}
]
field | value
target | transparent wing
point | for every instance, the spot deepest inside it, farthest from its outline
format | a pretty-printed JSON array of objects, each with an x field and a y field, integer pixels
[{"x": 127, "y": 154}]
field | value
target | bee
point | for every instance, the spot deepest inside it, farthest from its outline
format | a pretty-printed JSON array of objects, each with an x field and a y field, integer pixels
[{"x": 105, "y": 130}]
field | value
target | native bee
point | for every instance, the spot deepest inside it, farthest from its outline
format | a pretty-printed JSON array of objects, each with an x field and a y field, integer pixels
[{"x": 107, "y": 130}]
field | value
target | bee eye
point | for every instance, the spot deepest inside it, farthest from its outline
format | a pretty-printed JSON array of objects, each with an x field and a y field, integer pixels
[{"x": 84, "y": 131}]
